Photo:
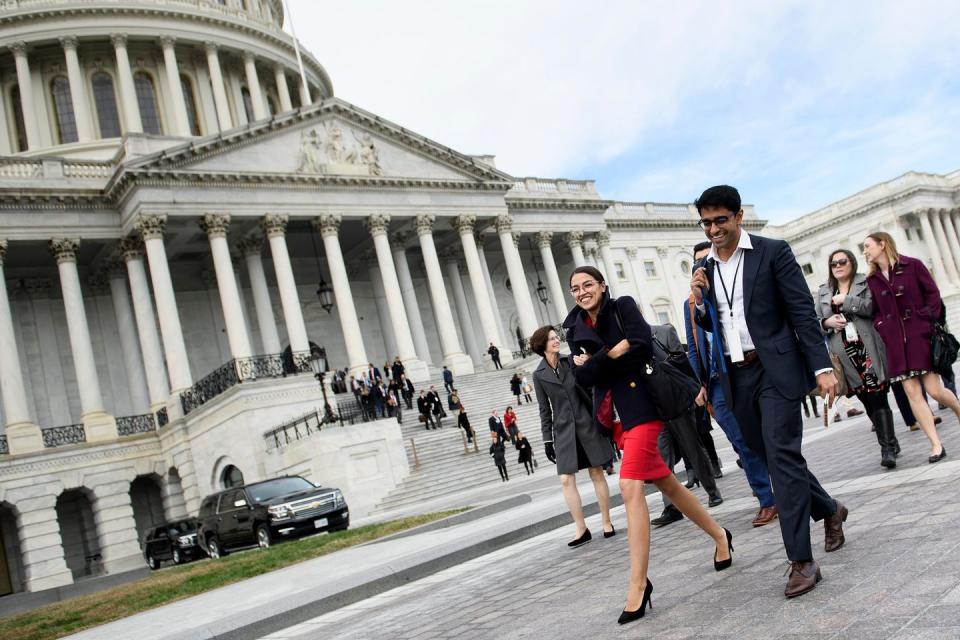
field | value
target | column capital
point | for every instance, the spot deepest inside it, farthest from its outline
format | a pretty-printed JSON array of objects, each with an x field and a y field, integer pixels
[
  {"x": 152, "y": 226},
  {"x": 98, "y": 283},
  {"x": 504, "y": 223},
  {"x": 398, "y": 240},
  {"x": 19, "y": 48},
  {"x": 425, "y": 224},
  {"x": 68, "y": 42},
  {"x": 119, "y": 40},
  {"x": 211, "y": 47},
  {"x": 516, "y": 235},
  {"x": 37, "y": 287},
  {"x": 3, "y": 250},
  {"x": 64, "y": 249},
  {"x": 167, "y": 41},
  {"x": 574, "y": 239},
  {"x": 248, "y": 56},
  {"x": 250, "y": 246},
  {"x": 464, "y": 224},
  {"x": 480, "y": 237},
  {"x": 274, "y": 224},
  {"x": 631, "y": 252},
  {"x": 130, "y": 248},
  {"x": 544, "y": 239},
  {"x": 328, "y": 225},
  {"x": 115, "y": 268},
  {"x": 603, "y": 238},
  {"x": 378, "y": 224},
  {"x": 215, "y": 225}
]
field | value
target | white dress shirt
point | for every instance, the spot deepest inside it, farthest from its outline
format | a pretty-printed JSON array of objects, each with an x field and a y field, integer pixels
[{"x": 731, "y": 271}]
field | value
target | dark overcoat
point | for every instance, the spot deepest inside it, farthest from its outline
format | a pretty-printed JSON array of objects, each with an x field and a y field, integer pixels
[
  {"x": 566, "y": 417},
  {"x": 904, "y": 309}
]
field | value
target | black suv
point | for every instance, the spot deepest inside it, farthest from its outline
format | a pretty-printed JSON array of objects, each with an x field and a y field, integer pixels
[
  {"x": 175, "y": 541},
  {"x": 262, "y": 513}
]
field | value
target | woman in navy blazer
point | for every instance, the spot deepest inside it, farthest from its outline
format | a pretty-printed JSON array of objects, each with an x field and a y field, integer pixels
[{"x": 611, "y": 344}]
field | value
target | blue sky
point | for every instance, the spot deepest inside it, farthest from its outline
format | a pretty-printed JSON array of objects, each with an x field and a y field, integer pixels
[{"x": 798, "y": 104}]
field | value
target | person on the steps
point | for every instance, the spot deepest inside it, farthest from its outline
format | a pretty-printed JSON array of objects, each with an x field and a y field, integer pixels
[
  {"x": 526, "y": 453},
  {"x": 510, "y": 424},
  {"x": 464, "y": 424},
  {"x": 496, "y": 425},
  {"x": 515, "y": 388},
  {"x": 499, "y": 454}
]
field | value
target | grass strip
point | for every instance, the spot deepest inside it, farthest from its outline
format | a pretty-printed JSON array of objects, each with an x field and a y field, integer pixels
[{"x": 177, "y": 583}]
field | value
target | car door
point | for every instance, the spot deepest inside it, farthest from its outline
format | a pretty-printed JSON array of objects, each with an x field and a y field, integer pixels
[
  {"x": 226, "y": 522},
  {"x": 234, "y": 519},
  {"x": 162, "y": 544},
  {"x": 244, "y": 518}
]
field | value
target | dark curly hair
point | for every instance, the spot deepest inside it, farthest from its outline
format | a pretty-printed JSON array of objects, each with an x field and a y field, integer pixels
[{"x": 538, "y": 341}]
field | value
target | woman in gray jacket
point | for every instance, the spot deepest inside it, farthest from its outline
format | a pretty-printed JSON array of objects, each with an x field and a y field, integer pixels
[
  {"x": 845, "y": 309},
  {"x": 571, "y": 441}
]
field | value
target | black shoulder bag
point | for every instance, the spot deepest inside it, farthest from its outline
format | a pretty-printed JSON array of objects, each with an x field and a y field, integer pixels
[
  {"x": 943, "y": 350},
  {"x": 671, "y": 390}
]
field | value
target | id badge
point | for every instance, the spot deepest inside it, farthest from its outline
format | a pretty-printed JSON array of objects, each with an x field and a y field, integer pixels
[{"x": 731, "y": 333}]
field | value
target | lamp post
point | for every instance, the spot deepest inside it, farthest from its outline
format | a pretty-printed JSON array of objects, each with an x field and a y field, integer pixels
[
  {"x": 324, "y": 290},
  {"x": 318, "y": 364}
]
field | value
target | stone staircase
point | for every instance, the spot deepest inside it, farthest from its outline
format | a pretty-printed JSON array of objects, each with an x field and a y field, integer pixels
[{"x": 444, "y": 468}]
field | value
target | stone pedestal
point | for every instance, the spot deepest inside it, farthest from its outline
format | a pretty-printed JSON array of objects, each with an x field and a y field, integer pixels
[{"x": 99, "y": 426}]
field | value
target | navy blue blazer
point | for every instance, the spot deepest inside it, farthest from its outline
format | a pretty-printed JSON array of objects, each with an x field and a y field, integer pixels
[
  {"x": 780, "y": 316},
  {"x": 621, "y": 376}
]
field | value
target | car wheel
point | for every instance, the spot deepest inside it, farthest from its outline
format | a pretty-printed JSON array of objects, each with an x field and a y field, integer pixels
[
  {"x": 177, "y": 558},
  {"x": 263, "y": 536},
  {"x": 152, "y": 562},
  {"x": 213, "y": 548}
]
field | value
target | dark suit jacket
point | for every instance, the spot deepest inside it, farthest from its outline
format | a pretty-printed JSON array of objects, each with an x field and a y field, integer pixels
[{"x": 780, "y": 316}]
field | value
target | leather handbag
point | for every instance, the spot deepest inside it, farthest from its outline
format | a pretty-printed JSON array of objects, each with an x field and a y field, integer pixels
[
  {"x": 943, "y": 349},
  {"x": 842, "y": 387}
]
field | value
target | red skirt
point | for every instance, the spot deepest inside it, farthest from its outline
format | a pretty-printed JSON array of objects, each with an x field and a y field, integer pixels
[{"x": 641, "y": 457}]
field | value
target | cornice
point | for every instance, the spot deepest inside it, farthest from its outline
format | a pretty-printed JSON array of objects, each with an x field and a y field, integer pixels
[
  {"x": 672, "y": 223},
  {"x": 54, "y": 460},
  {"x": 561, "y": 204}
]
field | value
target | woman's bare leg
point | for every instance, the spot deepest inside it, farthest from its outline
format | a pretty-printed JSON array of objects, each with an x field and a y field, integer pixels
[
  {"x": 572, "y": 497},
  {"x": 934, "y": 387},
  {"x": 638, "y": 539},
  {"x": 603, "y": 496},
  {"x": 689, "y": 506},
  {"x": 921, "y": 410}
]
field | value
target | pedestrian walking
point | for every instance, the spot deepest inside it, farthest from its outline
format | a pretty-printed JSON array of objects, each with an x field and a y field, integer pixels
[
  {"x": 407, "y": 390},
  {"x": 447, "y": 379},
  {"x": 526, "y": 387},
  {"x": 496, "y": 425},
  {"x": 526, "y": 453},
  {"x": 397, "y": 370},
  {"x": 906, "y": 304},
  {"x": 510, "y": 424},
  {"x": 495, "y": 356},
  {"x": 464, "y": 423},
  {"x": 499, "y": 454},
  {"x": 453, "y": 400},
  {"x": 515, "y": 388},
  {"x": 425, "y": 407},
  {"x": 436, "y": 406}
]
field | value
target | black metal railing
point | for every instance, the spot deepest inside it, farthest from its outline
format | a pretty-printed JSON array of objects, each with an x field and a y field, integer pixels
[
  {"x": 4, "y": 447},
  {"x": 240, "y": 370},
  {"x": 130, "y": 425},
  {"x": 162, "y": 418},
  {"x": 60, "y": 436},
  {"x": 313, "y": 422},
  {"x": 524, "y": 350}
]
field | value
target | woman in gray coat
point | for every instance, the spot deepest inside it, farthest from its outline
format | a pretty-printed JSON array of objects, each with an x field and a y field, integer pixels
[
  {"x": 845, "y": 309},
  {"x": 571, "y": 441}
]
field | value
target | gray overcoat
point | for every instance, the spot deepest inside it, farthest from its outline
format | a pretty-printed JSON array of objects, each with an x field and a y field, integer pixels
[
  {"x": 565, "y": 417},
  {"x": 857, "y": 307}
]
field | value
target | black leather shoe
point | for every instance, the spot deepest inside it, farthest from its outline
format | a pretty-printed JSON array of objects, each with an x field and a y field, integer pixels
[
  {"x": 939, "y": 457},
  {"x": 670, "y": 514},
  {"x": 611, "y": 533},
  {"x": 630, "y": 616},
  {"x": 582, "y": 540},
  {"x": 720, "y": 565},
  {"x": 715, "y": 500}
]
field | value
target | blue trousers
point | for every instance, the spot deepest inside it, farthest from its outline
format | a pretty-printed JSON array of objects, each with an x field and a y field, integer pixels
[{"x": 753, "y": 465}]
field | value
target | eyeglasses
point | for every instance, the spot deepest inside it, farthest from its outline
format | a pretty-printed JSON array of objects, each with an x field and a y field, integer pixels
[
  {"x": 589, "y": 285},
  {"x": 706, "y": 223},
  {"x": 842, "y": 262}
]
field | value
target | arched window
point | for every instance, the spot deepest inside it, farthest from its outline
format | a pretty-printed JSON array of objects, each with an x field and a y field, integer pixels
[
  {"x": 191, "y": 104},
  {"x": 231, "y": 477},
  {"x": 18, "y": 123},
  {"x": 63, "y": 110},
  {"x": 247, "y": 104},
  {"x": 106, "y": 102},
  {"x": 147, "y": 101}
]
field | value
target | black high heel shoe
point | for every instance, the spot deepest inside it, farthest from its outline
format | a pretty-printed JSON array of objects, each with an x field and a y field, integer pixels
[
  {"x": 630, "y": 616},
  {"x": 692, "y": 481},
  {"x": 611, "y": 533},
  {"x": 720, "y": 565}
]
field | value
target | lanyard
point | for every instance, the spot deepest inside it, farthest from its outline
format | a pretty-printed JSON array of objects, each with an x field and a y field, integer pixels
[{"x": 733, "y": 288}]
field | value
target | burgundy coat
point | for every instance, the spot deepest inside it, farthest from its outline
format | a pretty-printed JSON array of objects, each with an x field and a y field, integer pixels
[{"x": 904, "y": 309}]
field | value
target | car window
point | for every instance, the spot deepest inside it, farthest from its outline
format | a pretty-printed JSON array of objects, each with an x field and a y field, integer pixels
[
  {"x": 228, "y": 498},
  {"x": 278, "y": 487}
]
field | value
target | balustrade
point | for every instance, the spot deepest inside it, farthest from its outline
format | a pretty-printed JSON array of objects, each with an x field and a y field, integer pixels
[
  {"x": 61, "y": 436},
  {"x": 130, "y": 425}
]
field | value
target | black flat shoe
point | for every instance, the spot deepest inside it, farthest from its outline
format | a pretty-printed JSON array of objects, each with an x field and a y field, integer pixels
[
  {"x": 938, "y": 457},
  {"x": 611, "y": 533},
  {"x": 720, "y": 565},
  {"x": 715, "y": 500},
  {"x": 630, "y": 616},
  {"x": 582, "y": 540}
]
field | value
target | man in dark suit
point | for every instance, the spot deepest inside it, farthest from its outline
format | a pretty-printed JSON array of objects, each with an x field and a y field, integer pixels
[
  {"x": 775, "y": 353},
  {"x": 495, "y": 356}
]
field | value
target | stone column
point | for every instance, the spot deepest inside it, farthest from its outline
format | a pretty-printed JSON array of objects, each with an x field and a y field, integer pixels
[
  {"x": 518, "y": 279},
  {"x": 219, "y": 89},
  {"x": 416, "y": 369},
  {"x": 128, "y": 93},
  {"x": 41, "y": 546},
  {"x": 329, "y": 227},
  {"x": 180, "y": 123},
  {"x": 488, "y": 279},
  {"x": 78, "y": 94},
  {"x": 632, "y": 263},
  {"x": 157, "y": 386},
  {"x": 275, "y": 228},
  {"x": 283, "y": 90},
  {"x": 25, "y": 84},
  {"x": 609, "y": 267},
  {"x": 383, "y": 309},
  {"x": 949, "y": 243},
  {"x": 451, "y": 262},
  {"x": 305, "y": 98},
  {"x": 151, "y": 228},
  {"x": 253, "y": 85},
  {"x": 952, "y": 222},
  {"x": 937, "y": 266},
  {"x": 98, "y": 424},
  {"x": 544, "y": 241},
  {"x": 22, "y": 435},
  {"x": 574, "y": 240},
  {"x": 485, "y": 310},
  {"x": 117, "y": 530},
  {"x": 215, "y": 226},
  {"x": 453, "y": 356},
  {"x": 129, "y": 341},
  {"x": 250, "y": 247},
  {"x": 410, "y": 302}
]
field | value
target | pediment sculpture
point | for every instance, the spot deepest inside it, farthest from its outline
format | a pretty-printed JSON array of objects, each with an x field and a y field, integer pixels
[{"x": 327, "y": 153}]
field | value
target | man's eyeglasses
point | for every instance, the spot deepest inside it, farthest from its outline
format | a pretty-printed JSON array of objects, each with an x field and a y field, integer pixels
[
  {"x": 706, "y": 223},
  {"x": 589, "y": 285},
  {"x": 841, "y": 262}
]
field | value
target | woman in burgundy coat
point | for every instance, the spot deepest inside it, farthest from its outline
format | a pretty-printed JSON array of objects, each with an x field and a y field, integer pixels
[{"x": 906, "y": 303}]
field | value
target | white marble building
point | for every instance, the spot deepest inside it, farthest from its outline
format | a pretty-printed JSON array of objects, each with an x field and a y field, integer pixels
[{"x": 171, "y": 194}]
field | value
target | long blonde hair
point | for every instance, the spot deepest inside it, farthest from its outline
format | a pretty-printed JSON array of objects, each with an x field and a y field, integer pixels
[{"x": 889, "y": 248}]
